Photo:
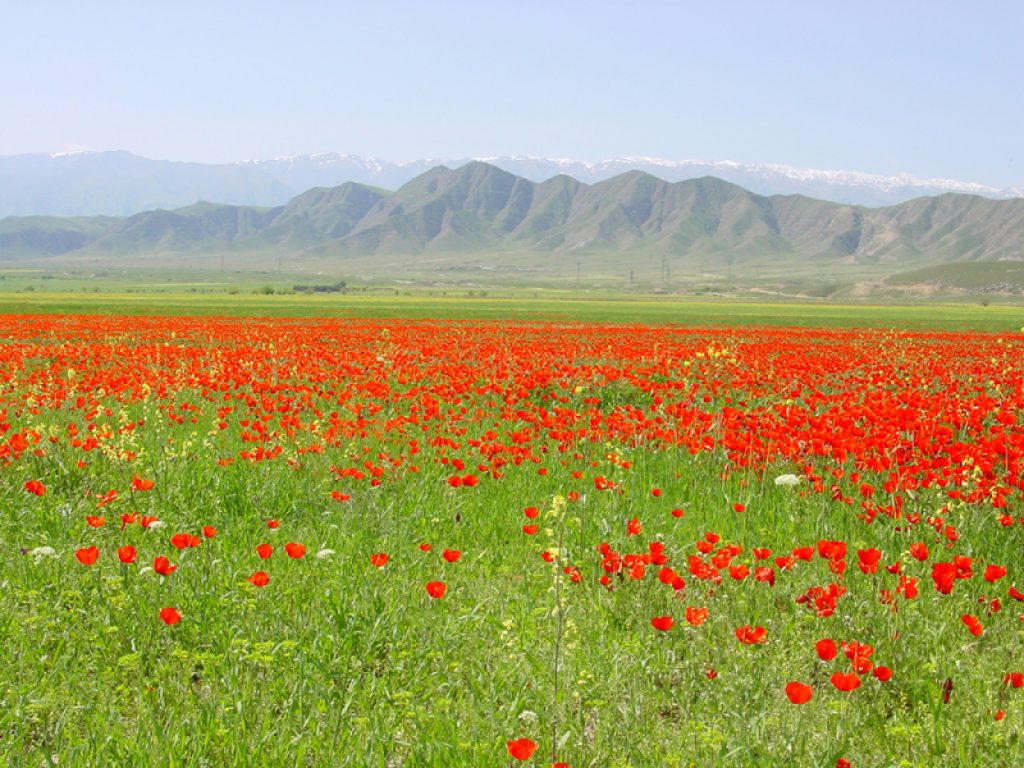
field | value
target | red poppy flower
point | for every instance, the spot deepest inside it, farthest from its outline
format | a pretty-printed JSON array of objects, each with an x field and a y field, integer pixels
[
  {"x": 260, "y": 579},
  {"x": 209, "y": 531},
  {"x": 87, "y": 555},
  {"x": 264, "y": 550},
  {"x": 181, "y": 540},
  {"x": 295, "y": 550},
  {"x": 826, "y": 649},
  {"x": 737, "y": 507},
  {"x": 531, "y": 512},
  {"x": 451, "y": 555},
  {"x": 845, "y": 681},
  {"x": 919, "y": 551},
  {"x": 425, "y": 547},
  {"x": 531, "y": 529},
  {"x": 163, "y": 566},
  {"x": 141, "y": 485},
  {"x": 379, "y": 559},
  {"x": 696, "y": 616},
  {"x": 436, "y": 589},
  {"x": 884, "y": 674},
  {"x": 677, "y": 512},
  {"x": 521, "y": 749},
  {"x": 126, "y": 554},
  {"x": 1014, "y": 679},
  {"x": 633, "y": 527},
  {"x": 170, "y": 616},
  {"x": 798, "y": 693},
  {"x": 994, "y": 573},
  {"x": 148, "y": 520},
  {"x": 972, "y": 623},
  {"x": 663, "y": 623},
  {"x": 95, "y": 522},
  {"x": 273, "y": 524},
  {"x": 36, "y": 487},
  {"x": 943, "y": 574},
  {"x": 749, "y": 635}
]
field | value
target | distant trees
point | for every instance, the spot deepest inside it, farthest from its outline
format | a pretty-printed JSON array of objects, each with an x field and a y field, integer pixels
[{"x": 338, "y": 287}]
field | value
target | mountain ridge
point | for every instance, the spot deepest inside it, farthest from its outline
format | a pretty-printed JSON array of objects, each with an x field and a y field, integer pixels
[
  {"x": 121, "y": 183},
  {"x": 482, "y": 209}
]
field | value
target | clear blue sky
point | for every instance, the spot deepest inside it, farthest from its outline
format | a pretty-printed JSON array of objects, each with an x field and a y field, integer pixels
[{"x": 932, "y": 88}]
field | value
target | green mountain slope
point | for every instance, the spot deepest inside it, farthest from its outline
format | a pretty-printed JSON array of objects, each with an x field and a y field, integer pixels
[{"x": 480, "y": 209}]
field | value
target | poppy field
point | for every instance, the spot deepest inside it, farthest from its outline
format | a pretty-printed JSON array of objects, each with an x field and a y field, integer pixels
[{"x": 352, "y": 542}]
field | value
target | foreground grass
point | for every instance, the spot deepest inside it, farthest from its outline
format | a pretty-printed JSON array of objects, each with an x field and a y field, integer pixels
[{"x": 339, "y": 662}]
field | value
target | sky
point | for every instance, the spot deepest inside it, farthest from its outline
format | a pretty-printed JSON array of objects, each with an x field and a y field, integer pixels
[{"x": 931, "y": 88}]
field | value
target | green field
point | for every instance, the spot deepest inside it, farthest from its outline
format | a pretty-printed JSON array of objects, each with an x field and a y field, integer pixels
[{"x": 545, "y": 305}]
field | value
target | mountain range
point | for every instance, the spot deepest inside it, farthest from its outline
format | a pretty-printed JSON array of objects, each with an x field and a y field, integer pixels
[
  {"x": 479, "y": 214},
  {"x": 120, "y": 183}
]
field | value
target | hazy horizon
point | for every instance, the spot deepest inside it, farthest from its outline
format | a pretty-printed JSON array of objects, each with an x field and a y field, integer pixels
[{"x": 919, "y": 88}]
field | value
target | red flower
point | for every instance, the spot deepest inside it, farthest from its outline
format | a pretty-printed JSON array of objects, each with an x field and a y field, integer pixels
[
  {"x": 264, "y": 550},
  {"x": 273, "y": 524},
  {"x": 529, "y": 530},
  {"x": 451, "y": 555},
  {"x": 36, "y": 487},
  {"x": 141, "y": 485},
  {"x": 209, "y": 531},
  {"x": 662, "y": 623},
  {"x": 749, "y": 635},
  {"x": 943, "y": 574},
  {"x": 294, "y": 550},
  {"x": 379, "y": 559},
  {"x": 696, "y": 616},
  {"x": 994, "y": 573},
  {"x": 919, "y": 551},
  {"x": 181, "y": 540},
  {"x": 845, "y": 681},
  {"x": 87, "y": 555},
  {"x": 521, "y": 749},
  {"x": 798, "y": 693},
  {"x": 531, "y": 512},
  {"x": 436, "y": 589},
  {"x": 973, "y": 625},
  {"x": 260, "y": 579},
  {"x": 826, "y": 649},
  {"x": 126, "y": 554},
  {"x": 425, "y": 547},
  {"x": 884, "y": 674},
  {"x": 633, "y": 527},
  {"x": 170, "y": 616},
  {"x": 1014, "y": 679},
  {"x": 94, "y": 521},
  {"x": 739, "y": 507},
  {"x": 163, "y": 566}
]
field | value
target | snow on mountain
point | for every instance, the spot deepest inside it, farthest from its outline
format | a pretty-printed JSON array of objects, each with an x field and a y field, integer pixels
[{"x": 81, "y": 182}]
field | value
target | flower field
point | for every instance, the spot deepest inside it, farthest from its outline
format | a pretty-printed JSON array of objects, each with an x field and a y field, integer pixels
[{"x": 230, "y": 541}]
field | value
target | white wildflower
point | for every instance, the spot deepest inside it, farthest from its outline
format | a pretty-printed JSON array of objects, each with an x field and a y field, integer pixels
[
  {"x": 787, "y": 480},
  {"x": 324, "y": 553},
  {"x": 41, "y": 552}
]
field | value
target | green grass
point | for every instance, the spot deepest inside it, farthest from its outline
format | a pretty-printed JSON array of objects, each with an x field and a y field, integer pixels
[
  {"x": 339, "y": 663},
  {"x": 530, "y": 304}
]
